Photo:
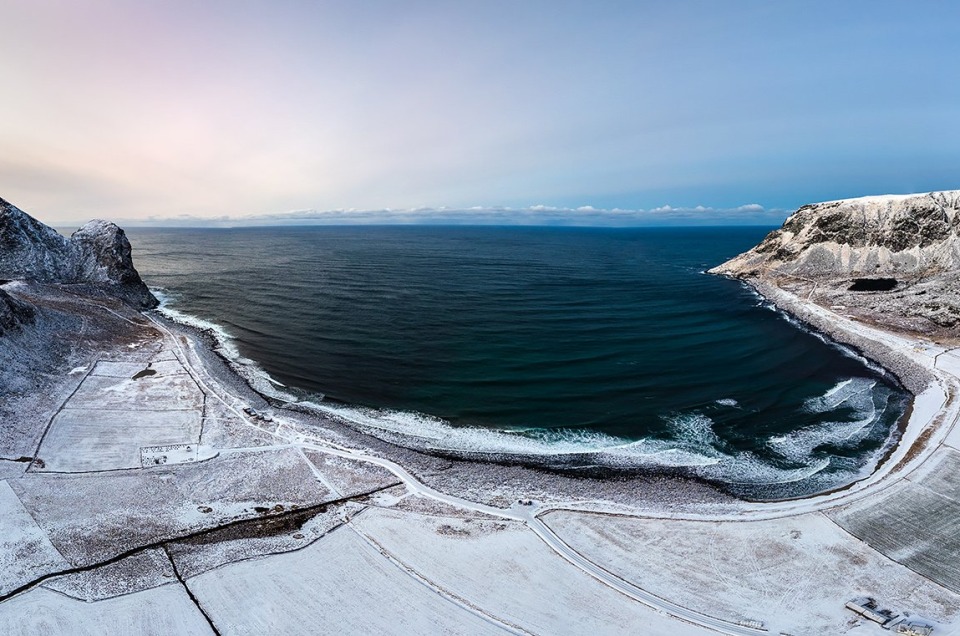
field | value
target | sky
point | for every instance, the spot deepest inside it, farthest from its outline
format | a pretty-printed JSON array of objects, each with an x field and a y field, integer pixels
[{"x": 522, "y": 111}]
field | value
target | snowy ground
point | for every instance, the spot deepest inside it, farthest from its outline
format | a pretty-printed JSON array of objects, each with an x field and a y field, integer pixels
[
  {"x": 339, "y": 584},
  {"x": 253, "y": 526},
  {"x": 916, "y": 522},
  {"x": 161, "y": 610},
  {"x": 787, "y": 572}
]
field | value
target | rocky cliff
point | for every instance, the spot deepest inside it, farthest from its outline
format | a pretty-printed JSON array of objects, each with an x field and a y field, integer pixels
[
  {"x": 98, "y": 254},
  {"x": 888, "y": 259},
  {"x": 909, "y": 236}
]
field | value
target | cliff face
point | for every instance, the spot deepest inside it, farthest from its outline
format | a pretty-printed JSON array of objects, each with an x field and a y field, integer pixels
[
  {"x": 890, "y": 260},
  {"x": 30, "y": 249},
  {"x": 908, "y": 236},
  {"x": 97, "y": 254}
]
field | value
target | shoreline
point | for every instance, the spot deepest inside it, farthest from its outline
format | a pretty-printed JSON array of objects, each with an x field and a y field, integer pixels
[
  {"x": 831, "y": 331},
  {"x": 600, "y": 463},
  {"x": 918, "y": 425},
  {"x": 438, "y": 467}
]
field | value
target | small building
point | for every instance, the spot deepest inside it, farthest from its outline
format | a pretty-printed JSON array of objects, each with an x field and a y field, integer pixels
[
  {"x": 868, "y": 608},
  {"x": 912, "y": 628}
]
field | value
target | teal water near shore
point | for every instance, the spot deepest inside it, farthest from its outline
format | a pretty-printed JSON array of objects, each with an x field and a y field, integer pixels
[{"x": 539, "y": 341}]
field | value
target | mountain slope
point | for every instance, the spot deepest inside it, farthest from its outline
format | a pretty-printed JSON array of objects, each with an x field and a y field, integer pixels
[
  {"x": 898, "y": 235},
  {"x": 891, "y": 260},
  {"x": 97, "y": 254}
]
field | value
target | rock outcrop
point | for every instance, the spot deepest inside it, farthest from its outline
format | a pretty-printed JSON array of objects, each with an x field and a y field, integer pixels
[
  {"x": 13, "y": 312},
  {"x": 892, "y": 260},
  {"x": 907, "y": 236},
  {"x": 98, "y": 254}
]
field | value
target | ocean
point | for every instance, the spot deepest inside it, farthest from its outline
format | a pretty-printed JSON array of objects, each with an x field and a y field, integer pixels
[{"x": 579, "y": 348}]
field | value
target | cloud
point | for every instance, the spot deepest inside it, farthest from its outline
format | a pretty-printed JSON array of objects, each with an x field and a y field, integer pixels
[{"x": 586, "y": 215}]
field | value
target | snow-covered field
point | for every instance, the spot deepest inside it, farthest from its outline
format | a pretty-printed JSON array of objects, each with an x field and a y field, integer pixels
[
  {"x": 506, "y": 571},
  {"x": 25, "y": 550},
  {"x": 916, "y": 522},
  {"x": 788, "y": 572},
  {"x": 160, "y": 611},
  {"x": 339, "y": 584}
]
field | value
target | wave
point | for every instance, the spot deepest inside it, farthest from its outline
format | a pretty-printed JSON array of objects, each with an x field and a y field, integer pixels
[
  {"x": 852, "y": 393},
  {"x": 224, "y": 339},
  {"x": 859, "y": 397},
  {"x": 693, "y": 446},
  {"x": 248, "y": 369},
  {"x": 429, "y": 433}
]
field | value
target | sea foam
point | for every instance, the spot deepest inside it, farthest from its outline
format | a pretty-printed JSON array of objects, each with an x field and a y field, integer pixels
[
  {"x": 694, "y": 445},
  {"x": 854, "y": 394}
]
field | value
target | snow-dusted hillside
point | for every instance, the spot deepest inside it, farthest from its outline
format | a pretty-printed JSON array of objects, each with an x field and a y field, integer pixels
[
  {"x": 97, "y": 254},
  {"x": 890, "y": 260},
  {"x": 895, "y": 235}
]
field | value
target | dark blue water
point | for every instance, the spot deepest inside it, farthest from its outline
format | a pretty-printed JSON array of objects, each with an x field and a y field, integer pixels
[{"x": 601, "y": 346}]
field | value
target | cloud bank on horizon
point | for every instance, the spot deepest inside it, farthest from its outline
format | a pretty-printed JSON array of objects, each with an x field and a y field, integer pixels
[
  {"x": 589, "y": 216},
  {"x": 749, "y": 214},
  {"x": 425, "y": 111}
]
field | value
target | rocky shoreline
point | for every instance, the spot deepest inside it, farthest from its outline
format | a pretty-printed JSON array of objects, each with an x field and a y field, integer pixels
[
  {"x": 490, "y": 479},
  {"x": 912, "y": 376}
]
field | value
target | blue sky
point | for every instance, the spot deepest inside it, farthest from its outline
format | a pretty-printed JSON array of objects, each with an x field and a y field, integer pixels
[{"x": 390, "y": 111}]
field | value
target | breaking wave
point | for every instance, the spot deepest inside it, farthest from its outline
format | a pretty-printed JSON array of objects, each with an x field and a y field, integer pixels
[
  {"x": 692, "y": 445},
  {"x": 224, "y": 339},
  {"x": 858, "y": 397},
  {"x": 248, "y": 369}
]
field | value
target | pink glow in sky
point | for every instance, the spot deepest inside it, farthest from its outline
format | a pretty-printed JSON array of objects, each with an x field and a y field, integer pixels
[{"x": 135, "y": 109}]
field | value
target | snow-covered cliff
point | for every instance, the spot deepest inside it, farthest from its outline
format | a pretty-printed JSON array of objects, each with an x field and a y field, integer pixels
[
  {"x": 890, "y": 260},
  {"x": 907, "y": 236},
  {"x": 97, "y": 254}
]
